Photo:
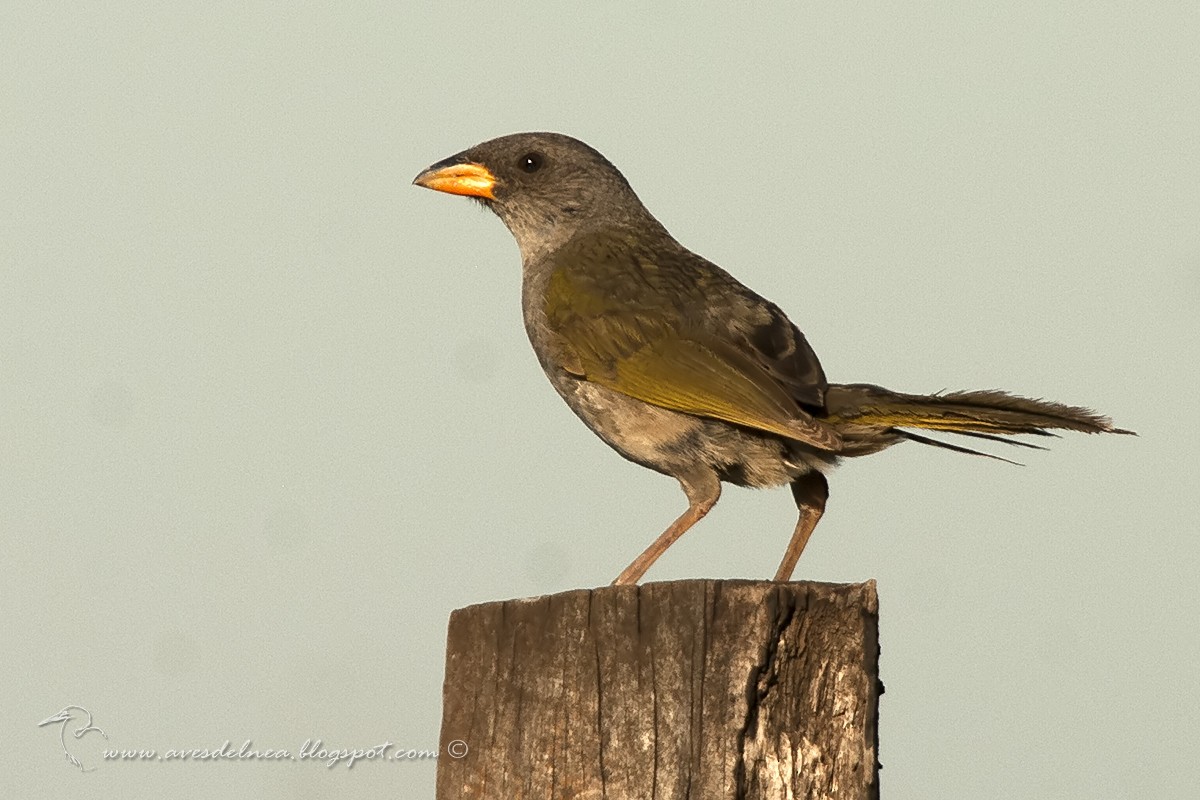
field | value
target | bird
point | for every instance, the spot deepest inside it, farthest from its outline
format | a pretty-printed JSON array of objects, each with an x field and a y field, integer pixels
[{"x": 681, "y": 368}]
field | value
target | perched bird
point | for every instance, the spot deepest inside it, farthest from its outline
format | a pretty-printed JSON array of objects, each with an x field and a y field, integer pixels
[{"x": 678, "y": 366}]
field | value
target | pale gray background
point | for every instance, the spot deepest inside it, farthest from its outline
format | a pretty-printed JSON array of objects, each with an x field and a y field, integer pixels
[{"x": 268, "y": 411}]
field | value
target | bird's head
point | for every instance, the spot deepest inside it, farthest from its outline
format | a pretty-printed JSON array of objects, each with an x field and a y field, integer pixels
[
  {"x": 61, "y": 716},
  {"x": 546, "y": 187}
]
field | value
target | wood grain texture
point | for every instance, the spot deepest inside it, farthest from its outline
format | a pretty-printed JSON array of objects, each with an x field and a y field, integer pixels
[{"x": 689, "y": 689}]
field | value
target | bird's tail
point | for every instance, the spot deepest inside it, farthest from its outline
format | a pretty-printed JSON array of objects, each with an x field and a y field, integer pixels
[{"x": 871, "y": 415}]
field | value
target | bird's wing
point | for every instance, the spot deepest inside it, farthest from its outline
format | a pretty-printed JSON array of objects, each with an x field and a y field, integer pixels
[{"x": 634, "y": 340}]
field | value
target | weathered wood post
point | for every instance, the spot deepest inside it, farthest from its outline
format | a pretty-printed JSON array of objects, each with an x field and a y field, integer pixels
[{"x": 703, "y": 689}]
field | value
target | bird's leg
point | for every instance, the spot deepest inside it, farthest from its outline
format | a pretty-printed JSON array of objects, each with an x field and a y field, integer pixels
[
  {"x": 702, "y": 495},
  {"x": 811, "y": 491}
]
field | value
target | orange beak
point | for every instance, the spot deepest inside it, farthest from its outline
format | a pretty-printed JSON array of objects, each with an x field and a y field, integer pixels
[{"x": 471, "y": 180}]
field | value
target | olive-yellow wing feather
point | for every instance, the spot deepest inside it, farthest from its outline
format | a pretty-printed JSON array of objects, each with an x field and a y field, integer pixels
[{"x": 639, "y": 355}]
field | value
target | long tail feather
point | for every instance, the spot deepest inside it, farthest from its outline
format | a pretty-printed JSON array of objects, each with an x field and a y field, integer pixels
[
  {"x": 863, "y": 411},
  {"x": 916, "y": 437},
  {"x": 991, "y": 437}
]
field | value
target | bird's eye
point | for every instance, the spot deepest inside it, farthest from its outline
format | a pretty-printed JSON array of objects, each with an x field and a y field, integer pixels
[{"x": 531, "y": 162}]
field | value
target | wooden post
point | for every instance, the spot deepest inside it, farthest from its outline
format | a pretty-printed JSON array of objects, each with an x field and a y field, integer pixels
[{"x": 703, "y": 689}]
